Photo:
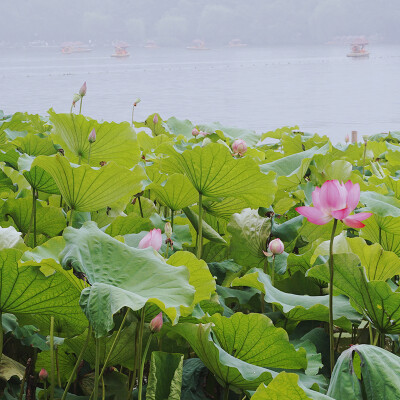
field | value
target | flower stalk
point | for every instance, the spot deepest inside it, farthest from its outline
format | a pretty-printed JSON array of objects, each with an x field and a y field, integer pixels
[
  {"x": 200, "y": 228},
  {"x": 52, "y": 360}
]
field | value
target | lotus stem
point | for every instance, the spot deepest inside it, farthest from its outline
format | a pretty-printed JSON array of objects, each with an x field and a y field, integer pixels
[
  {"x": 331, "y": 271},
  {"x": 103, "y": 386},
  {"x": 96, "y": 370},
  {"x": 52, "y": 366},
  {"x": 44, "y": 387},
  {"x": 80, "y": 105},
  {"x": 365, "y": 152},
  {"x": 58, "y": 369},
  {"x": 376, "y": 338},
  {"x": 262, "y": 296},
  {"x": 200, "y": 228},
  {"x": 72, "y": 106},
  {"x": 78, "y": 361},
  {"x": 1, "y": 335},
  {"x": 90, "y": 148},
  {"x": 273, "y": 277},
  {"x": 371, "y": 334},
  {"x": 172, "y": 219},
  {"x": 114, "y": 343},
  {"x": 70, "y": 217},
  {"x": 133, "y": 112},
  {"x": 226, "y": 393},
  {"x": 140, "y": 207},
  {"x": 34, "y": 216},
  {"x": 142, "y": 366},
  {"x": 21, "y": 392}
]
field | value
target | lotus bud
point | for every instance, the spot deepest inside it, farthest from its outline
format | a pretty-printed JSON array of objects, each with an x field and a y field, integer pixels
[
  {"x": 347, "y": 139},
  {"x": 168, "y": 230},
  {"x": 136, "y": 102},
  {"x": 152, "y": 239},
  {"x": 365, "y": 138},
  {"x": 82, "y": 90},
  {"x": 206, "y": 141},
  {"x": 156, "y": 323},
  {"x": 92, "y": 136},
  {"x": 75, "y": 99},
  {"x": 239, "y": 146},
  {"x": 43, "y": 375},
  {"x": 155, "y": 119},
  {"x": 276, "y": 246},
  {"x": 195, "y": 132}
]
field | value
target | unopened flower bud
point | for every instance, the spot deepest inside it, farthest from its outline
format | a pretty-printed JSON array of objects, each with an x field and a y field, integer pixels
[
  {"x": 276, "y": 246},
  {"x": 156, "y": 323},
  {"x": 136, "y": 102},
  {"x": 82, "y": 90},
  {"x": 168, "y": 230},
  {"x": 347, "y": 139},
  {"x": 75, "y": 99},
  {"x": 365, "y": 138},
  {"x": 155, "y": 119},
  {"x": 43, "y": 375},
  {"x": 239, "y": 146},
  {"x": 195, "y": 132},
  {"x": 92, "y": 136}
]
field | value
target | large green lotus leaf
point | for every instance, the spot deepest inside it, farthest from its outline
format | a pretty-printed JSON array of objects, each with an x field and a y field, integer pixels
[
  {"x": 91, "y": 189},
  {"x": 285, "y": 386},
  {"x": 250, "y": 233},
  {"x": 34, "y": 145},
  {"x": 392, "y": 184},
  {"x": 383, "y": 206},
  {"x": 18, "y": 122},
  {"x": 149, "y": 144},
  {"x": 383, "y": 230},
  {"x": 33, "y": 298},
  {"x": 157, "y": 129},
  {"x": 180, "y": 127},
  {"x": 225, "y": 208},
  {"x": 253, "y": 338},
  {"x": 380, "y": 265},
  {"x": 37, "y": 177},
  {"x": 50, "y": 220},
  {"x": 131, "y": 223},
  {"x": 291, "y": 169},
  {"x": 10, "y": 157},
  {"x": 379, "y": 374},
  {"x": 374, "y": 299},
  {"x": 229, "y": 370},
  {"x": 215, "y": 173},
  {"x": 114, "y": 142},
  {"x": 6, "y": 183},
  {"x": 122, "y": 276},
  {"x": 300, "y": 307},
  {"x": 165, "y": 376},
  {"x": 176, "y": 192},
  {"x": 200, "y": 277}
]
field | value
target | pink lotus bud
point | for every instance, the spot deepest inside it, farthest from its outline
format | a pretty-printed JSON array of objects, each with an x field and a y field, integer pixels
[
  {"x": 82, "y": 90},
  {"x": 168, "y": 230},
  {"x": 195, "y": 132},
  {"x": 155, "y": 119},
  {"x": 43, "y": 375},
  {"x": 156, "y": 323},
  {"x": 137, "y": 101},
  {"x": 347, "y": 139},
  {"x": 152, "y": 239},
  {"x": 239, "y": 146},
  {"x": 92, "y": 136},
  {"x": 276, "y": 246},
  {"x": 75, "y": 99}
]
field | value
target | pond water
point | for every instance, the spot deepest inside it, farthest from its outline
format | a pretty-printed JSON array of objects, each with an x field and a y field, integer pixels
[{"x": 316, "y": 87}]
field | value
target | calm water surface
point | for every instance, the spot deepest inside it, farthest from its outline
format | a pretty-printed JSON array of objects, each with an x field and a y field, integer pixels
[{"x": 316, "y": 87}]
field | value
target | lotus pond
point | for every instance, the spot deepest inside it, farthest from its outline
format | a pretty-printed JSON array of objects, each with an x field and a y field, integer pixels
[{"x": 167, "y": 260}]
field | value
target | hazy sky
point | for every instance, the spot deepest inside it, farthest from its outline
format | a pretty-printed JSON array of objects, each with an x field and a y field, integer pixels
[{"x": 178, "y": 22}]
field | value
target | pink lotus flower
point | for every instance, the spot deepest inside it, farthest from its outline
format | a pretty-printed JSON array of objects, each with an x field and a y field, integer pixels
[
  {"x": 276, "y": 246},
  {"x": 83, "y": 89},
  {"x": 335, "y": 200},
  {"x": 195, "y": 132},
  {"x": 156, "y": 323},
  {"x": 239, "y": 146},
  {"x": 43, "y": 375},
  {"x": 152, "y": 239},
  {"x": 92, "y": 136}
]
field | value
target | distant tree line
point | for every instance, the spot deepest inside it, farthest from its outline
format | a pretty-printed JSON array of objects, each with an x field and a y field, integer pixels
[{"x": 177, "y": 22}]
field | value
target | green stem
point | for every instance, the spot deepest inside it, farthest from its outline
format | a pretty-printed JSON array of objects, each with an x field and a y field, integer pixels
[
  {"x": 103, "y": 386},
  {"x": 133, "y": 111},
  {"x": 273, "y": 277},
  {"x": 34, "y": 216},
  {"x": 376, "y": 338},
  {"x": 70, "y": 217},
  {"x": 142, "y": 366},
  {"x": 262, "y": 294},
  {"x": 331, "y": 271},
  {"x": 96, "y": 370},
  {"x": 166, "y": 251},
  {"x": 44, "y": 387},
  {"x": 52, "y": 368},
  {"x": 21, "y": 393},
  {"x": 78, "y": 361},
  {"x": 226, "y": 393},
  {"x": 200, "y": 228},
  {"x": 1, "y": 335},
  {"x": 90, "y": 148},
  {"x": 365, "y": 152},
  {"x": 58, "y": 369},
  {"x": 80, "y": 106},
  {"x": 172, "y": 219},
  {"x": 140, "y": 207},
  {"x": 380, "y": 235},
  {"x": 114, "y": 343},
  {"x": 371, "y": 335},
  {"x": 61, "y": 201},
  {"x": 72, "y": 106}
]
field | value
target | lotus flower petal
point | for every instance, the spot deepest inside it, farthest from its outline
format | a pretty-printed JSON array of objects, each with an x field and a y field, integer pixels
[
  {"x": 354, "y": 221},
  {"x": 314, "y": 215}
]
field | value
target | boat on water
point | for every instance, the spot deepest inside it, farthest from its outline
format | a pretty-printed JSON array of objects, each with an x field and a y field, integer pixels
[
  {"x": 358, "y": 48},
  {"x": 74, "y": 47},
  {"x": 120, "y": 50},
  {"x": 150, "y": 44},
  {"x": 198, "y": 45},
  {"x": 236, "y": 43}
]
